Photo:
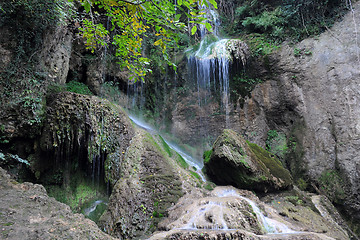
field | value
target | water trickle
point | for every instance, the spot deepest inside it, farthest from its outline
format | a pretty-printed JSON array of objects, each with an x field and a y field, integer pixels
[{"x": 92, "y": 208}]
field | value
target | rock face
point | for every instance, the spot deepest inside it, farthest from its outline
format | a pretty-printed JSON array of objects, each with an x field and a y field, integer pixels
[
  {"x": 315, "y": 96},
  {"x": 229, "y": 213},
  {"x": 87, "y": 129},
  {"x": 28, "y": 213},
  {"x": 151, "y": 182},
  {"x": 310, "y": 94},
  {"x": 245, "y": 165}
]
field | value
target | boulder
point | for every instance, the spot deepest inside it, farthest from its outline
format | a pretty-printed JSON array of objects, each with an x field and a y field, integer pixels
[
  {"x": 27, "y": 212},
  {"x": 234, "y": 161}
]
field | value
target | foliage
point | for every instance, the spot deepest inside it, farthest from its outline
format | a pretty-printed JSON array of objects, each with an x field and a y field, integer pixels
[
  {"x": 207, "y": 155},
  {"x": 279, "y": 20},
  {"x": 132, "y": 21},
  {"x": 29, "y": 19},
  {"x": 78, "y": 87},
  {"x": 276, "y": 143},
  {"x": 298, "y": 52},
  {"x": 261, "y": 45},
  {"x": 242, "y": 85},
  {"x": 333, "y": 185}
]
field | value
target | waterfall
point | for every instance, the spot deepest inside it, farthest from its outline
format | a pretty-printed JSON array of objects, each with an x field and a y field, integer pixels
[{"x": 208, "y": 66}]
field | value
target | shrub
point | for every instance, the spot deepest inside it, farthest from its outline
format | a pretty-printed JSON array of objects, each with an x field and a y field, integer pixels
[{"x": 78, "y": 87}]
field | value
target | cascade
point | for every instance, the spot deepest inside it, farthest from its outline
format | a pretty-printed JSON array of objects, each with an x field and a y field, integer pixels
[
  {"x": 208, "y": 66},
  {"x": 269, "y": 225},
  {"x": 212, "y": 213}
]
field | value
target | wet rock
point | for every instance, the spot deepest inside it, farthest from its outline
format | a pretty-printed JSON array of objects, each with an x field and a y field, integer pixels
[
  {"x": 230, "y": 213},
  {"x": 245, "y": 165}
]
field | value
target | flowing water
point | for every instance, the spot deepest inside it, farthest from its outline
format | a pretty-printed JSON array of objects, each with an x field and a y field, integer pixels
[
  {"x": 193, "y": 162},
  {"x": 269, "y": 225},
  {"x": 210, "y": 213},
  {"x": 208, "y": 66}
]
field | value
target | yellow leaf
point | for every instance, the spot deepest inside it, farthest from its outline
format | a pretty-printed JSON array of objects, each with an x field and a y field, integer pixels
[{"x": 158, "y": 42}]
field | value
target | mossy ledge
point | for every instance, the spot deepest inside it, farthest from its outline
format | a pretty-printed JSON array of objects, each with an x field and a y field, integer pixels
[{"x": 234, "y": 161}]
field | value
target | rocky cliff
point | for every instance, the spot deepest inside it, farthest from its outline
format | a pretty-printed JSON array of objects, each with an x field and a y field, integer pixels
[{"x": 309, "y": 97}]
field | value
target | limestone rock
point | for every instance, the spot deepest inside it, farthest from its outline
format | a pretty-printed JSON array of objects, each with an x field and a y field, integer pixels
[
  {"x": 150, "y": 183},
  {"x": 230, "y": 213},
  {"x": 245, "y": 165},
  {"x": 84, "y": 127},
  {"x": 27, "y": 212}
]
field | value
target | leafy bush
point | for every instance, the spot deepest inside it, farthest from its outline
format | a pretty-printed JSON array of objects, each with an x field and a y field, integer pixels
[
  {"x": 333, "y": 185},
  {"x": 78, "y": 87},
  {"x": 279, "y": 20},
  {"x": 29, "y": 19}
]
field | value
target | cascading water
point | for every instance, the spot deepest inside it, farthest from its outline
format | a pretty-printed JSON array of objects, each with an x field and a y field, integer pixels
[
  {"x": 209, "y": 66},
  {"x": 269, "y": 225},
  {"x": 212, "y": 213}
]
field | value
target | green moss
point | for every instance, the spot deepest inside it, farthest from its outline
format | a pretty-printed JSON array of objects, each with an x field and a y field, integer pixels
[
  {"x": 294, "y": 200},
  {"x": 78, "y": 87},
  {"x": 209, "y": 186},
  {"x": 209, "y": 39},
  {"x": 197, "y": 176},
  {"x": 332, "y": 183},
  {"x": 271, "y": 163},
  {"x": 207, "y": 155},
  {"x": 166, "y": 146},
  {"x": 78, "y": 193},
  {"x": 181, "y": 161},
  {"x": 302, "y": 184}
]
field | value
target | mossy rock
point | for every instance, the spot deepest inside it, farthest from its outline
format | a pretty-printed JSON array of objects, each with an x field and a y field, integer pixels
[{"x": 234, "y": 161}]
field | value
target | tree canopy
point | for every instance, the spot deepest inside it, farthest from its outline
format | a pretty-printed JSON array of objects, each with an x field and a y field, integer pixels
[{"x": 130, "y": 21}]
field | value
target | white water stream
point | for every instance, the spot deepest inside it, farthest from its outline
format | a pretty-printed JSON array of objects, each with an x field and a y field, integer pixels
[
  {"x": 198, "y": 164},
  {"x": 209, "y": 65}
]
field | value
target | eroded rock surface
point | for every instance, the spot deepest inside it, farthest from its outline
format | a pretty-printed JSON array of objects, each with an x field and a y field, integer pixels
[
  {"x": 151, "y": 182},
  {"x": 26, "y": 212}
]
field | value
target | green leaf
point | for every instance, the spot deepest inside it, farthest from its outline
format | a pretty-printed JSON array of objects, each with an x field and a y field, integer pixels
[
  {"x": 87, "y": 6},
  {"x": 177, "y": 17},
  {"x": 179, "y": 2},
  {"x": 214, "y": 3},
  {"x": 208, "y": 27},
  {"x": 193, "y": 30}
]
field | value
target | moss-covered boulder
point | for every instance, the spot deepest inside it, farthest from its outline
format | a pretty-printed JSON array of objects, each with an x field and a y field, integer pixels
[{"x": 234, "y": 161}]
